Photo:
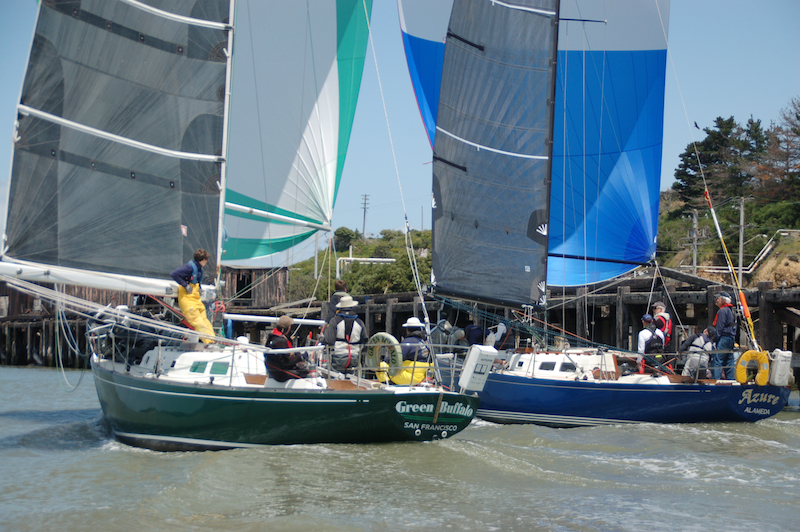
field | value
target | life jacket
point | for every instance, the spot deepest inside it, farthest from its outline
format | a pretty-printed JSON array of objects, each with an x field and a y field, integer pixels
[
  {"x": 666, "y": 328},
  {"x": 654, "y": 345},
  {"x": 726, "y": 329},
  {"x": 348, "y": 331}
]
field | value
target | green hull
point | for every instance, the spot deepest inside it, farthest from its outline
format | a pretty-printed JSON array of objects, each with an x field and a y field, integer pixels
[{"x": 161, "y": 415}]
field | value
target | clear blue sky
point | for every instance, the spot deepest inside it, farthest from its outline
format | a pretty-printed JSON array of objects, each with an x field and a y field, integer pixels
[{"x": 731, "y": 58}]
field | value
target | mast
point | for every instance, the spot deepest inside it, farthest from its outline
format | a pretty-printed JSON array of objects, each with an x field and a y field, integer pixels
[{"x": 225, "y": 126}]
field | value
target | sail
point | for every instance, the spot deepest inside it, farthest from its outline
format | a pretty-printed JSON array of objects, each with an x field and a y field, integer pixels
[
  {"x": 608, "y": 123},
  {"x": 607, "y": 137},
  {"x": 492, "y": 149},
  {"x": 297, "y": 73},
  {"x": 118, "y": 144}
]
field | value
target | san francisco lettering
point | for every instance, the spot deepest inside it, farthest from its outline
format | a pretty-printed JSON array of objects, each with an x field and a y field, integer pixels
[
  {"x": 748, "y": 397},
  {"x": 446, "y": 408},
  {"x": 426, "y": 426}
]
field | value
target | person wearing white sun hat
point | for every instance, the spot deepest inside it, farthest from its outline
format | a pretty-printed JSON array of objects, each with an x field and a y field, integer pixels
[
  {"x": 345, "y": 332},
  {"x": 414, "y": 345}
]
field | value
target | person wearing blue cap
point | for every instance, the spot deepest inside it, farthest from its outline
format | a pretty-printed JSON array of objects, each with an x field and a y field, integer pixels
[
  {"x": 650, "y": 340},
  {"x": 725, "y": 323}
]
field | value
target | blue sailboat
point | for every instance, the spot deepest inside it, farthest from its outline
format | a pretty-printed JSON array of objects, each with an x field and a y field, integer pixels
[{"x": 546, "y": 123}]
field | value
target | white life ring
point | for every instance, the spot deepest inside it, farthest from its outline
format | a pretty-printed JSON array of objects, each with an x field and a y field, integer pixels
[
  {"x": 380, "y": 345},
  {"x": 399, "y": 371}
]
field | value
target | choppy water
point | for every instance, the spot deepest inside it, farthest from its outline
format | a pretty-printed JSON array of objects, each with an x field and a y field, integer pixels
[{"x": 61, "y": 470}]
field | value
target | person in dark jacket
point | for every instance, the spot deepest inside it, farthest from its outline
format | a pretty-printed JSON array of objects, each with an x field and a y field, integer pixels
[
  {"x": 283, "y": 367},
  {"x": 475, "y": 334},
  {"x": 725, "y": 323},
  {"x": 414, "y": 346}
]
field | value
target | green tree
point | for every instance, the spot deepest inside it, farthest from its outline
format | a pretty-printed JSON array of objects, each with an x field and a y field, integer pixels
[
  {"x": 721, "y": 156},
  {"x": 343, "y": 237}
]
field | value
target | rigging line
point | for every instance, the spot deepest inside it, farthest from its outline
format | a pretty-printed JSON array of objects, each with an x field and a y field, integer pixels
[
  {"x": 604, "y": 286},
  {"x": 309, "y": 55},
  {"x": 741, "y": 304},
  {"x": 600, "y": 136},
  {"x": 409, "y": 244},
  {"x": 672, "y": 305},
  {"x": 258, "y": 114},
  {"x": 383, "y": 102},
  {"x": 58, "y": 322},
  {"x": 564, "y": 166},
  {"x": 652, "y": 287}
]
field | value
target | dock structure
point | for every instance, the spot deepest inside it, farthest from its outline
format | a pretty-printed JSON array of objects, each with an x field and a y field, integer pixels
[{"x": 608, "y": 315}]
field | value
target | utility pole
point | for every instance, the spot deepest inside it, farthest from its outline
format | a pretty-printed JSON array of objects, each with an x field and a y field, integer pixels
[{"x": 365, "y": 198}]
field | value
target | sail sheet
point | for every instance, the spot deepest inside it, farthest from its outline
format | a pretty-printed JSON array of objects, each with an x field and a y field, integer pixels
[
  {"x": 115, "y": 165},
  {"x": 297, "y": 74},
  {"x": 608, "y": 123},
  {"x": 607, "y": 137},
  {"x": 491, "y": 151}
]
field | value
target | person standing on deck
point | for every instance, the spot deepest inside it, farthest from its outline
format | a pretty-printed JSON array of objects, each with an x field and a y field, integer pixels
[
  {"x": 189, "y": 276},
  {"x": 663, "y": 322},
  {"x": 650, "y": 340},
  {"x": 725, "y": 323},
  {"x": 346, "y": 333}
]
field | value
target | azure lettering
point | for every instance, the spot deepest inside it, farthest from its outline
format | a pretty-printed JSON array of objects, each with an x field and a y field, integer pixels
[
  {"x": 748, "y": 397},
  {"x": 413, "y": 408}
]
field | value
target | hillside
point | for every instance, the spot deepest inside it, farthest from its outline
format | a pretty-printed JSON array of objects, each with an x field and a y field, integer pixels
[{"x": 781, "y": 264}]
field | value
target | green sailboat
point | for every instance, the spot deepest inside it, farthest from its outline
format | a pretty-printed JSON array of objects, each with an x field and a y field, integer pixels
[{"x": 141, "y": 137}]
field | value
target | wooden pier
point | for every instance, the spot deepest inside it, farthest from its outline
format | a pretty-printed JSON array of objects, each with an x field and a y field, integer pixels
[{"x": 609, "y": 315}]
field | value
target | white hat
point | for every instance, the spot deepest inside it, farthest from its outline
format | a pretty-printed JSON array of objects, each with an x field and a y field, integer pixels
[
  {"x": 346, "y": 302},
  {"x": 413, "y": 321}
]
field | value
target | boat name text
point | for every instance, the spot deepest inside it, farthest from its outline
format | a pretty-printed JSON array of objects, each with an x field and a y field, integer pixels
[
  {"x": 749, "y": 397},
  {"x": 426, "y": 426},
  {"x": 414, "y": 408}
]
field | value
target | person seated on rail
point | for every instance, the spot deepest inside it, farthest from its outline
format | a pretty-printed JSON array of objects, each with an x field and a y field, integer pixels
[
  {"x": 697, "y": 347},
  {"x": 414, "y": 344},
  {"x": 285, "y": 366}
]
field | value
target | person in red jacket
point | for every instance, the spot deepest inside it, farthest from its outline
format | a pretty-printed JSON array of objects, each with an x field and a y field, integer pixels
[
  {"x": 285, "y": 366},
  {"x": 663, "y": 322}
]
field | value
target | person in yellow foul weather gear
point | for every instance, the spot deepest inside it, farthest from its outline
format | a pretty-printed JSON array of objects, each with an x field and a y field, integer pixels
[{"x": 189, "y": 276}]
